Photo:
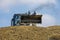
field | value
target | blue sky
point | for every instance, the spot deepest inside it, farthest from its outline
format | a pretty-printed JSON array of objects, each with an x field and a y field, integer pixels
[{"x": 50, "y": 9}]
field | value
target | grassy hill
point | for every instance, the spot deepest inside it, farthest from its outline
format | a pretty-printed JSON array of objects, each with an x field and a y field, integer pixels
[{"x": 28, "y": 32}]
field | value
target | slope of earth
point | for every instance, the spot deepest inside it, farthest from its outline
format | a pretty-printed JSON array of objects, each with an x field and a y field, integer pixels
[
  {"x": 52, "y": 30},
  {"x": 30, "y": 33},
  {"x": 23, "y": 33}
]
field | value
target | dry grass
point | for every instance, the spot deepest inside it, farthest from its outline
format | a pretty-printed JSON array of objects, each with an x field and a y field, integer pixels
[
  {"x": 23, "y": 33},
  {"x": 54, "y": 37},
  {"x": 28, "y": 32},
  {"x": 53, "y": 30}
]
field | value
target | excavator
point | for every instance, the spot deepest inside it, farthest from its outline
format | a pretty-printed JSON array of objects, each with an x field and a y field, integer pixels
[{"x": 26, "y": 19}]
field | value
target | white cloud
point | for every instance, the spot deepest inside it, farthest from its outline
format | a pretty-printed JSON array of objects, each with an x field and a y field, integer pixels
[
  {"x": 6, "y": 4},
  {"x": 31, "y": 4},
  {"x": 37, "y": 1},
  {"x": 48, "y": 20}
]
